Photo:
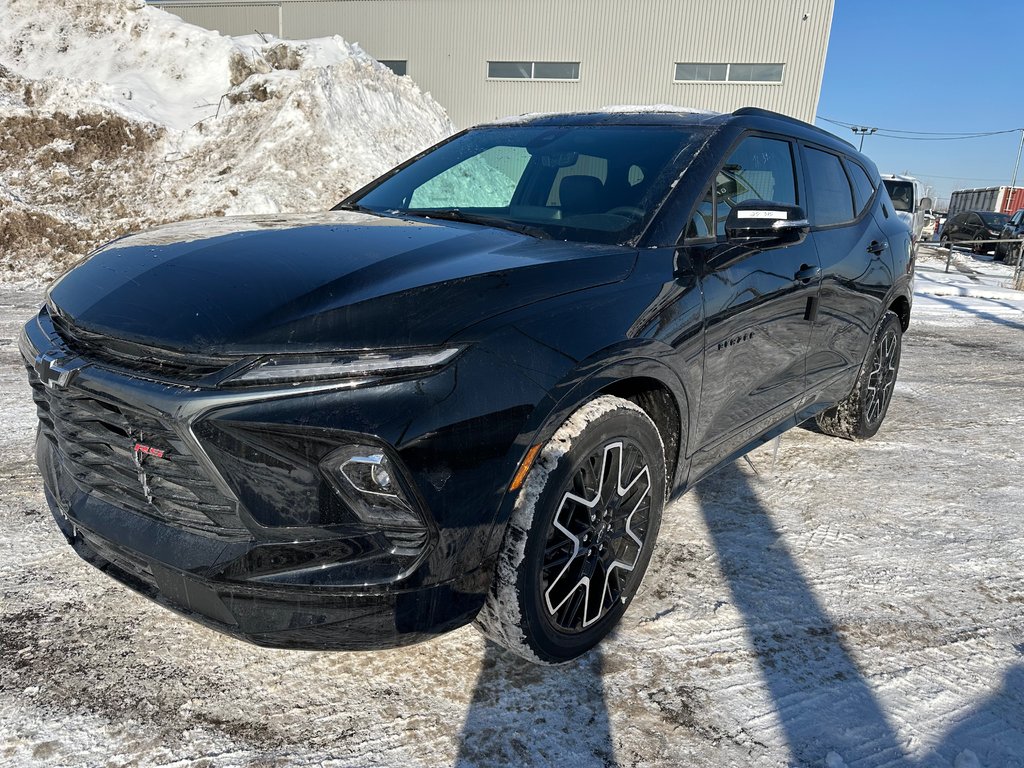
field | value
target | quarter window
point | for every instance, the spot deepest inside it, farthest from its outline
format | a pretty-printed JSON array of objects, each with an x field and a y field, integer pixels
[
  {"x": 533, "y": 70},
  {"x": 863, "y": 189},
  {"x": 833, "y": 199}
]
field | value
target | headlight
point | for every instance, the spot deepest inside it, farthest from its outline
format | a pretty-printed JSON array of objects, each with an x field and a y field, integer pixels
[{"x": 282, "y": 369}]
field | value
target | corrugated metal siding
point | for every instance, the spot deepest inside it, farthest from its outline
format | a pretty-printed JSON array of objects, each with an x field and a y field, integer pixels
[
  {"x": 627, "y": 50},
  {"x": 241, "y": 18}
]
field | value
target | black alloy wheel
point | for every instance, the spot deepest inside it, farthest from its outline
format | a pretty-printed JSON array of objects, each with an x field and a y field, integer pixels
[
  {"x": 885, "y": 364},
  {"x": 861, "y": 414},
  {"x": 596, "y": 536}
]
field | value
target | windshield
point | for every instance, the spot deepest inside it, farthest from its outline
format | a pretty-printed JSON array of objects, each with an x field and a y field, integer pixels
[
  {"x": 598, "y": 184},
  {"x": 994, "y": 219},
  {"x": 902, "y": 194}
]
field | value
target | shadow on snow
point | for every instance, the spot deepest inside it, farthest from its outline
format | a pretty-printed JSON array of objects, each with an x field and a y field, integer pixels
[{"x": 822, "y": 699}]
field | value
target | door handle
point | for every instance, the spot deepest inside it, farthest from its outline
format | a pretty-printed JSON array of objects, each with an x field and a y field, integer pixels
[
  {"x": 806, "y": 273},
  {"x": 877, "y": 246}
]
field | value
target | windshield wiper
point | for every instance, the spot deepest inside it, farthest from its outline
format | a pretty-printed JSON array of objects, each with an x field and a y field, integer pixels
[
  {"x": 454, "y": 214},
  {"x": 352, "y": 207}
]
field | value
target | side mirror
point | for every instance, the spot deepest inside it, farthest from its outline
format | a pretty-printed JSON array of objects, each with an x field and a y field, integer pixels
[
  {"x": 925, "y": 204},
  {"x": 765, "y": 224}
]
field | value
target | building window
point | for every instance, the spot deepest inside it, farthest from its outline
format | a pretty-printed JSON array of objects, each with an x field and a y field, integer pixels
[
  {"x": 533, "y": 70},
  {"x": 398, "y": 66},
  {"x": 729, "y": 73}
]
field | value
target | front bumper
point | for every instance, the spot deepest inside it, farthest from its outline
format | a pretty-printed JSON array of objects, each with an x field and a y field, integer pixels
[
  {"x": 240, "y": 534},
  {"x": 273, "y": 617}
]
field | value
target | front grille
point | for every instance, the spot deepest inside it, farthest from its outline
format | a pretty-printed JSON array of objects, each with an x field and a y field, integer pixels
[
  {"x": 96, "y": 441},
  {"x": 160, "y": 364}
]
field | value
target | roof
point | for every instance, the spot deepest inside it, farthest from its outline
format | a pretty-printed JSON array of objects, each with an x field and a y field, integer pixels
[
  {"x": 665, "y": 114},
  {"x": 660, "y": 114}
]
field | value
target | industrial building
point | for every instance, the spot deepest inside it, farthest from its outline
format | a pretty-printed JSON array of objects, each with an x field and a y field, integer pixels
[{"x": 485, "y": 59}]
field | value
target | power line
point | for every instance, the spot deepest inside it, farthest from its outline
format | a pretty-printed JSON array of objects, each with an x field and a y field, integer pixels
[
  {"x": 892, "y": 133},
  {"x": 959, "y": 178}
]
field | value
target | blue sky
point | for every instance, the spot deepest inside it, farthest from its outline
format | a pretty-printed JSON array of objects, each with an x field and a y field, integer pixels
[{"x": 940, "y": 65}]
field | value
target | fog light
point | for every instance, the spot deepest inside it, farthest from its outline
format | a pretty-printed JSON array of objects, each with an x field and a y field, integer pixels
[
  {"x": 371, "y": 485},
  {"x": 369, "y": 474}
]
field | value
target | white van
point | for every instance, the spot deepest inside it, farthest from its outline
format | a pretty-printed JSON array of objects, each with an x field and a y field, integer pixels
[{"x": 908, "y": 200}]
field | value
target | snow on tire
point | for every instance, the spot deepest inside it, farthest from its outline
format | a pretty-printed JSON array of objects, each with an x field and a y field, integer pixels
[{"x": 580, "y": 535}]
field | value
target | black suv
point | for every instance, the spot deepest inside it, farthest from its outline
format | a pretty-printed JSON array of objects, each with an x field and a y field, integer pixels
[
  {"x": 974, "y": 228},
  {"x": 469, "y": 391}
]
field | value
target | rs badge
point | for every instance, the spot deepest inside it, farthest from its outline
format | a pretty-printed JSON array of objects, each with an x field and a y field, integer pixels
[{"x": 139, "y": 453}]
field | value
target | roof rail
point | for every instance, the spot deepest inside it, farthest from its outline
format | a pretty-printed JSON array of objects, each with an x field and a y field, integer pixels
[{"x": 759, "y": 112}]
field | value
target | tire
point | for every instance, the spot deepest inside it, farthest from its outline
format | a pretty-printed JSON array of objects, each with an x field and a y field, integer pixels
[
  {"x": 979, "y": 248},
  {"x": 860, "y": 415},
  {"x": 1013, "y": 255},
  {"x": 571, "y": 527}
]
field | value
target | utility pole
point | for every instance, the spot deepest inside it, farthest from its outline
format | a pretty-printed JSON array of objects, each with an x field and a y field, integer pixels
[
  {"x": 1018, "y": 272},
  {"x": 862, "y": 131},
  {"x": 1016, "y": 165}
]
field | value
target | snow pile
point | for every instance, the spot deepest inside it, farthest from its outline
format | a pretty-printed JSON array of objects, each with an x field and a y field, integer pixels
[{"x": 115, "y": 116}]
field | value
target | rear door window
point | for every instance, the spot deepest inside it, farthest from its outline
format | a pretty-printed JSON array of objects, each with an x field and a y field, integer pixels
[{"x": 831, "y": 194}]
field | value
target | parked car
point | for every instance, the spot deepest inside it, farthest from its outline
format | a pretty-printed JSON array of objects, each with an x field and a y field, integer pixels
[
  {"x": 469, "y": 391},
  {"x": 1013, "y": 229},
  {"x": 970, "y": 226}
]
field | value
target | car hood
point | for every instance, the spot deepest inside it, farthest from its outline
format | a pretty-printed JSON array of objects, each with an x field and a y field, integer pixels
[{"x": 337, "y": 280}]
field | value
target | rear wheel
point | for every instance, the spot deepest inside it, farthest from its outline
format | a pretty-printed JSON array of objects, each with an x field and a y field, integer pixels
[
  {"x": 581, "y": 534},
  {"x": 1013, "y": 254},
  {"x": 860, "y": 415},
  {"x": 979, "y": 248}
]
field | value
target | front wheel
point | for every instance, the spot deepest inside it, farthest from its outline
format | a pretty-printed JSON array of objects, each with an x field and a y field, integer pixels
[
  {"x": 581, "y": 534},
  {"x": 860, "y": 415}
]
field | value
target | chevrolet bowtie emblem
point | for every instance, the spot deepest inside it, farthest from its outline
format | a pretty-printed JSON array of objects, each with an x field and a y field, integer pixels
[{"x": 56, "y": 371}]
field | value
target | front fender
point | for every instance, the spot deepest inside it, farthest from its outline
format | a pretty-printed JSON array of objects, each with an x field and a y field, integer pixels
[{"x": 599, "y": 374}]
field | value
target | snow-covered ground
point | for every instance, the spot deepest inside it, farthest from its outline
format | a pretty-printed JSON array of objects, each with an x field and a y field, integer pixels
[
  {"x": 830, "y": 604},
  {"x": 115, "y": 115}
]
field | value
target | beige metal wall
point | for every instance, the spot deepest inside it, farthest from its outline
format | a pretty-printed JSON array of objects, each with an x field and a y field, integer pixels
[
  {"x": 627, "y": 49},
  {"x": 230, "y": 18}
]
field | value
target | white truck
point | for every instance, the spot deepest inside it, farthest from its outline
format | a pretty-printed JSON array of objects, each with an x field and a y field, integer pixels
[{"x": 908, "y": 200}]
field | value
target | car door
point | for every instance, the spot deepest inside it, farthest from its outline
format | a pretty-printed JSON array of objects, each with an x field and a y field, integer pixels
[
  {"x": 969, "y": 229},
  {"x": 755, "y": 302},
  {"x": 855, "y": 263},
  {"x": 954, "y": 227},
  {"x": 1012, "y": 229}
]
